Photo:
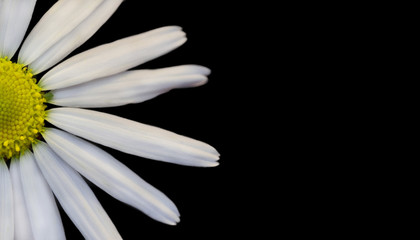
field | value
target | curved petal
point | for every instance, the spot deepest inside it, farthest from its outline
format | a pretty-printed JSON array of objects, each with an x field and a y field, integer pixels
[
  {"x": 15, "y": 16},
  {"x": 75, "y": 38},
  {"x": 6, "y": 203},
  {"x": 130, "y": 87},
  {"x": 23, "y": 230},
  {"x": 55, "y": 25},
  {"x": 112, "y": 176},
  {"x": 75, "y": 196},
  {"x": 42, "y": 210},
  {"x": 112, "y": 58},
  {"x": 133, "y": 137}
]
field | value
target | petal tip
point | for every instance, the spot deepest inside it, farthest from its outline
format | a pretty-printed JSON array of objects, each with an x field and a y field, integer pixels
[
  {"x": 171, "y": 221},
  {"x": 215, "y": 164},
  {"x": 210, "y": 164}
]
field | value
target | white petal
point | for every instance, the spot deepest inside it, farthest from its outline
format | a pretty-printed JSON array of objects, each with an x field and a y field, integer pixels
[
  {"x": 112, "y": 176},
  {"x": 15, "y": 16},
  {"x": 6, "y": 203},
  {"x": 61, "y": 19},
  {"x": 133, "y": 137},
  {"x": 112, "y": 58},
  {"x": 75, "y": 38},
  {"x": 75, "y": 196},
  {"x": 42, "y": 210},
  {"x": 130, "y": 87},
  {"x": 23, "y": 230}
]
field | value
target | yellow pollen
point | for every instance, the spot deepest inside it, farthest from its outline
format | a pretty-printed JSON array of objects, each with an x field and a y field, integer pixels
[{"x": 22, "y": 109}]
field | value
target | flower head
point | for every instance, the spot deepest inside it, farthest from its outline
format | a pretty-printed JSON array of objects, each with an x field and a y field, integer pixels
[
  {"x": 38, "y": 163},
  {"x": 22, "y": 109}
]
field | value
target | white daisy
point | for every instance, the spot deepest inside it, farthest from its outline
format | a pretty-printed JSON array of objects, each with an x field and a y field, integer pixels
[{"x": 37, "y": 163}]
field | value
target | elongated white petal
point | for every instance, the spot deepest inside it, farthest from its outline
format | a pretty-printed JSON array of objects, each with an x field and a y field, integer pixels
[
  {"x": 75, "y": 196},
  {"x": 130, "y": 87},
  {"x": 112, "y": 58},
  {"x": 75, "y": 38},
  {"x": 6, "y": 203},
  {"x": 42, "y": 210},
  {"x": 15, "y": 16},
  {"x": 133, "y": 137},
  {"x": 61, "y": 19},
  {"x": 23, "y": 229},
  {"x": 112, "y": 176}
]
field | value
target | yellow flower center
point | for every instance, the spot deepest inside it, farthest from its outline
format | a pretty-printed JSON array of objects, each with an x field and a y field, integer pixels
[{"x": 22, "y": 109}]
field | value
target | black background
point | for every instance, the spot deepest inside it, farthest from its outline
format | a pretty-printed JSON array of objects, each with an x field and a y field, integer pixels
[{"x": 212, "y": 201}]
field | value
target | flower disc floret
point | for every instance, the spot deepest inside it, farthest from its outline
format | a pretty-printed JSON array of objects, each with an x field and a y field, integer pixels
[{"x": 22, "y": 108}]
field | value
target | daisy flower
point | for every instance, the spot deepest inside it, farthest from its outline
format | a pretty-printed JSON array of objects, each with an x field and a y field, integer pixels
[{"x": 38, "y": 163}]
